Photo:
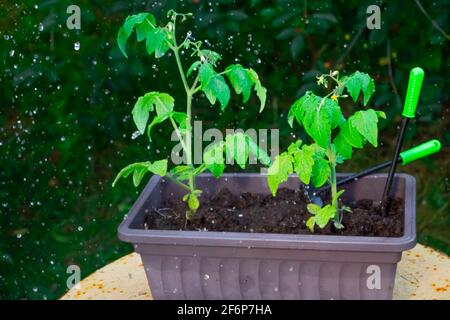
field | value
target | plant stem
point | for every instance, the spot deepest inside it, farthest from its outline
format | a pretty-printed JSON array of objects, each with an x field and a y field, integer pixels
[
  {"x": 331, "y": 155},
  {"x": 333, "y": 186},
  {"x": 181, "y": 184},
  {"x": 188, "y": 139},
  {"x": 189, "y": 129},
  {"x": 177, "y": 131},
  {"x": 180, "y": 66}
]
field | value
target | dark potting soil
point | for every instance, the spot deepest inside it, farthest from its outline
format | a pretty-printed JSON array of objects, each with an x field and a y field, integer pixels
[{"x": 285, "y": 213}]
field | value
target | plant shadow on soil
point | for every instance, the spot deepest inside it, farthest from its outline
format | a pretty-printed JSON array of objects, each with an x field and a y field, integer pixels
[{"x": 284, "y": 213}]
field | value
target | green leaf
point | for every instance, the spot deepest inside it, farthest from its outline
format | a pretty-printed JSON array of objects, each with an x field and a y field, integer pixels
[
  {"x": 279, "y": 171},
  {"x": 297, "y": 46},
  {"x": 156, "y": 120},
  {"x": 179, "y": 117},
  {"x": 380, "y": 114},
  {"x": 237, "y": 148},
  {"x": 193, "y": 202},
  {"x": 350, "y": 134},
  {"x": 365, "y": 122},
  {"x": 294, "y": 146},
  {"x": 211, "y": 56},
  {"x": 214, "y": 85},
  {"x": 285, "y": 34},
  {"x": 122, "y": 38},
  {"x": 334, "y": 112},
  {"x": 317, "y": 115},
  {"x": 240, "y": 80},
  {"x": 213, "y": 157},
  {"x": 158, "y": 167},
  {"x": 143, "y": 29},
  {"x": 320, "y": 172},
  {"x": 357, "y": 82},
  {"x": 324, "y": 215},
  {"x": 261, "y": 91},
  {"x": 310, "y": 223},
  {"x": 139, "y": 21},
  {"x": 181, "y": 173},
  {"x": 162, "y": 101},
  {"x": 141, "y": 111},
  {"x": 304, "y": 162},
  {"x": 343, "y": 148},
  {"x": 317, "y": 125},
  {"x": 339, "y": 193},
  {"x": 313, "y": 208},
  {"x": 193, "y": 67},
  {"x": 259, "y": 153},
  {"x": 157, "y": 42},
  {"x": 297, "y": 110},
  {"x": 138, "y": 174}
]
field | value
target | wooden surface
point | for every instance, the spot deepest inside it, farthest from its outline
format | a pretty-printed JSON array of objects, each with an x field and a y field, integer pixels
[{"x": 423, "y": 273}]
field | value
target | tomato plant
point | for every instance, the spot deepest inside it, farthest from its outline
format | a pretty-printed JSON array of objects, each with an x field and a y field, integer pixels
[
  {"x": 321, "y": 117},
  {"x": 205, "y": 78}
]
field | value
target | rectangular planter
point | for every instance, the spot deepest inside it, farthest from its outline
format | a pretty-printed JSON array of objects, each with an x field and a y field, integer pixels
[{"x": 233, "y": 265}]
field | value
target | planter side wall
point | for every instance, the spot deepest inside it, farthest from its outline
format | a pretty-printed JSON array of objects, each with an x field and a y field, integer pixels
[
  {"x": 186, "y": 265},
  {"x": 251, "y": 273}
]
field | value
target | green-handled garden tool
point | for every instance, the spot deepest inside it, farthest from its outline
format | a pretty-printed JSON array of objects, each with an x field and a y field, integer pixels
[
  {"x": 418, "y": 152},
  {"x": 421, "y": 151},
  {"x": 409, "y": 111}
]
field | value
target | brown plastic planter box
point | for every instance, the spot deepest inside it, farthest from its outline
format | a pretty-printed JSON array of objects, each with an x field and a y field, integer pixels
[{"x": 232, "y": 265}]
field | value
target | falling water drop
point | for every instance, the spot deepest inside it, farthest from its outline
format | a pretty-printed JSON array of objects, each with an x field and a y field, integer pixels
[
  {"x": 135, "y": 135},
  {"x": 41, "y": 27},
  {"x": 76, "y": 46}
]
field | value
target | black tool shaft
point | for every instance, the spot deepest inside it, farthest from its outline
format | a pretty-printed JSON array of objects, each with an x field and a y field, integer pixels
[
  {"x": 393, "y": 168},
  {"x": 360, "y": 174}
]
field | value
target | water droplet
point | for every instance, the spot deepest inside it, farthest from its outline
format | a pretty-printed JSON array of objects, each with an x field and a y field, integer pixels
[
  {"x": 76, "y": 46},
  {"x": 206, "y": 277},
  {"x": 80, "y": 228},
  {"x": 11, "y": 53},
  {"x": 41, "y": 27},
  {"x": 135, "y": 135}
]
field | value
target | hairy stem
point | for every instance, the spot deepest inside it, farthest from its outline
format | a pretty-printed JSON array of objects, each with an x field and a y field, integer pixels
[
  {"x": 331, "y": 155},
  {"x": 177, "y": 131},
  {"x": 188, "y": 138}
]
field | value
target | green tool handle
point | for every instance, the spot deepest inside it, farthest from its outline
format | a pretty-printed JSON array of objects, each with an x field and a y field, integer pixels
[
  {"x": 420, "y": 151},
  {"x": 412, "y": 94}
]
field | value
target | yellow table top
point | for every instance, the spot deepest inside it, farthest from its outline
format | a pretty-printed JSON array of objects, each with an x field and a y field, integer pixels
[{"x": 423, "y": 273}]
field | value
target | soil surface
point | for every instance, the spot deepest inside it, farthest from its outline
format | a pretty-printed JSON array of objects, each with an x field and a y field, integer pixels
[{"x": 285, "y": 213}]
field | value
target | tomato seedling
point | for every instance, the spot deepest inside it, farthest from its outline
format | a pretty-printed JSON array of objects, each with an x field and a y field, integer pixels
[
  {"x": 316, "y": 162},
  {"x": 158, "y": 41}
]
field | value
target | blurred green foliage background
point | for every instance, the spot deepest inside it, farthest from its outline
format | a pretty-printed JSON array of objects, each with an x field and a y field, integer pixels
[{"x": 65, "y": 126}]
